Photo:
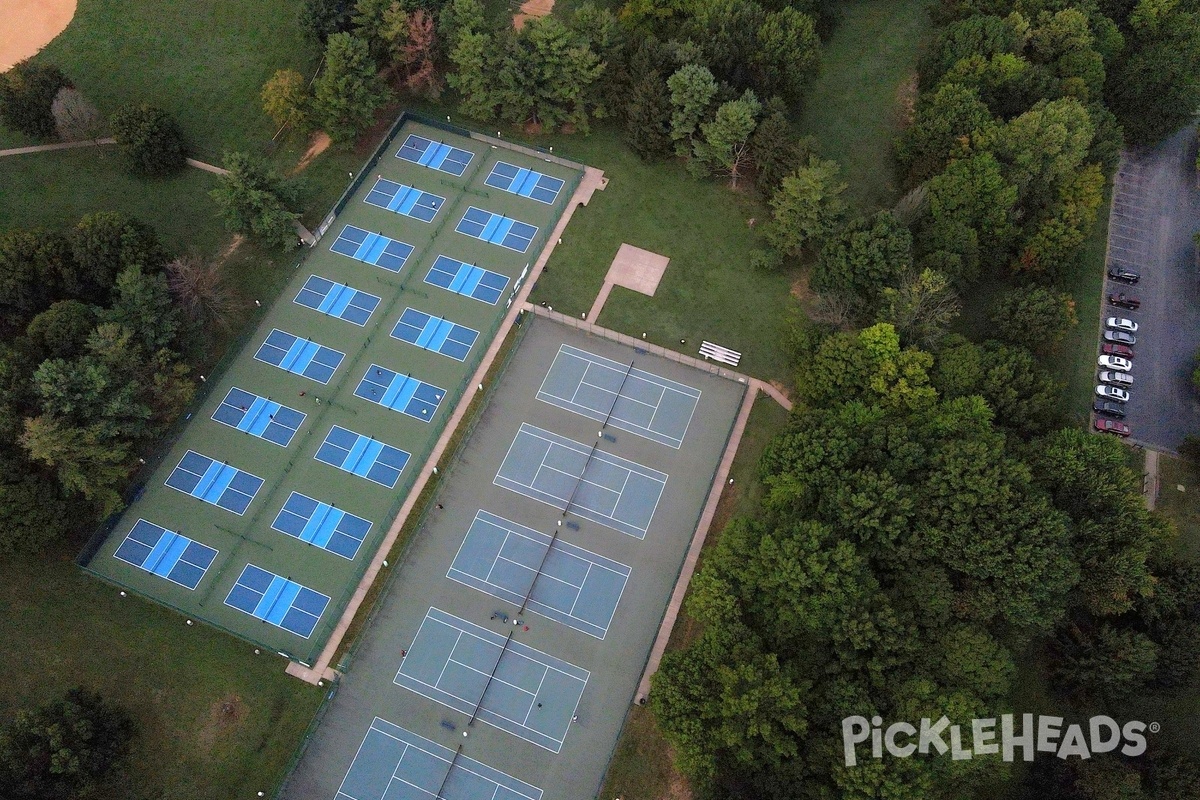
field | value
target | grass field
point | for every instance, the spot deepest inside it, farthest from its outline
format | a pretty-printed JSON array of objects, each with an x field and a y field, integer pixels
[
  {"x": 643, "y": 763},
  {"x": 205, "y": 63},
  {"x": 855, "y": 106},
  {"x": 708, "y": 292},
  {"x": 214, "y": 720}
]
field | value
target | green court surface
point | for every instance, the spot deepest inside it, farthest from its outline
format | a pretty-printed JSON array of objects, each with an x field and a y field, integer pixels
[
  {"x": 508, "y": 645},
  {"x": 264, "y": 513}
]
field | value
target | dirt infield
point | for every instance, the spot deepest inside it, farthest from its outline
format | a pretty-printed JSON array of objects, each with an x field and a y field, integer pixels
[{"x": 41, "y": 21}]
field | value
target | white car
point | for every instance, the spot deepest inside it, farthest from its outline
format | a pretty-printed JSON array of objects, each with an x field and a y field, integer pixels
[
  {"x": 1118, "y": 378},
  {"x": 1115, "y": 362},
  {"x": 1121, "y": 324},
  {"x": 1113, "y": 393}
]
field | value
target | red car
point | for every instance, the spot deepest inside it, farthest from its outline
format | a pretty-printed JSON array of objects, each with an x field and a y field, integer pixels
[
  {"x": 1123, "y": 300},
  {"x": 1112, "y": 426},
  {"x": 1122, "y": 350}
]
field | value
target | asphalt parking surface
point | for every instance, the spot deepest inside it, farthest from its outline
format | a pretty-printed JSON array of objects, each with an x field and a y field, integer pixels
[{"x": 1156, "y": 210}]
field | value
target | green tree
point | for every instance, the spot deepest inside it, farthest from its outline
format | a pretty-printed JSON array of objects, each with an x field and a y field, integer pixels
[
  {"x": 1109, "y": 663},
  {"x": 725, "y": 148},
  {"x": 149, "y": 139},
  {"x": 692, "y": 91},
  {"x": 983, "y": 35},
  {"x": 776, "y": 150},
  {"x": 285, "y": 99},
  {"x": 32, "y": 515},
  {"x": 32, "y": 264},
  {"x": 369, "y": 23},
  {"x": 102, "y": 245},
  {"x": 142, "y": 305},
  {"x": 787, "y": 55},
  {"x": 942, "y": 128},
  {"x": 648, "y": 117},
  {"x": 63, "y": 750},
  {"x": 320, "y": 19},
  {"x": 970, "y": 218},
  {"x": 27, "y": 93},
  {"x": 808, "y": 208},
  {"x": 61, "y": 331},
  {"x": 921, "y": 307},
  {"x": 253, "y": 198},
  {"x": 1022, "y": 394},
  {"x": 472, "y": 75},
  {"x": 348, "y": 92},
  {"x": 1042, "y": 147},
  {"x": 459, "y": 17},
  {"x": 1062, "y": 228},
  {"x": 86, "y": 460},
  {"x": 545, "y": 75},
  {"x": 863, "y": 259},
  {"x": 1034, "y": 316}
]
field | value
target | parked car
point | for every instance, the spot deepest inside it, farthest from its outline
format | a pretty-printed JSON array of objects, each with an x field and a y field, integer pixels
[
  {"x": 1109, "y": 409},
  {"x": 1112, "y": 426},
  {"x": 1121, "y": 324},
  {"x": 1115, "y": 362},
  {"x": 1123, "y": 300},
  {"x": 1113, "y": 393},
  {"x": 1120, "y": 337},
  {"x": 1116, "y": 378},
  {"x": 1124, "y": 275},
  {"x": 1116, "y": 350}
]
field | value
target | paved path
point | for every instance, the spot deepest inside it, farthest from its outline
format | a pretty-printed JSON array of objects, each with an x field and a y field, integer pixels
[
  {"x": 593, "y": 179},
  {"x": 601, "y": 299},
  {"x": 46, "y": 148},
  {"x": 1150, "y": 479}
]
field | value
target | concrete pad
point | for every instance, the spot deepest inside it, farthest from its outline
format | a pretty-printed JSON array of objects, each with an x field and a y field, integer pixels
[{"x": 637, "y": 269}]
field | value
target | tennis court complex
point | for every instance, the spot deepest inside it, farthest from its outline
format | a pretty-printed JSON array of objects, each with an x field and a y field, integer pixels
[
  {"x": 263, "y": 515},
  {"x": 511, "y": 640}
]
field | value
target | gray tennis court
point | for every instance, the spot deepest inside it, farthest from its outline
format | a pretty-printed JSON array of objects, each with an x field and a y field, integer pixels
[
  {"x": 395, "y": 764},
  {"x": 563, "y": 582},
  {"x": 582, "y": 480},
  {"x": 621, "y": 395},
  {"x": 500, "y": 681}
]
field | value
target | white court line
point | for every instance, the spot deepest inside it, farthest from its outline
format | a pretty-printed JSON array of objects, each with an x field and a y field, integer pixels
[
  {"x": 478, "y": 671},
  {"x": 535, "y": 697},
  {"x": 449, "y": 657},
  {"x": 579, "y": 593}
]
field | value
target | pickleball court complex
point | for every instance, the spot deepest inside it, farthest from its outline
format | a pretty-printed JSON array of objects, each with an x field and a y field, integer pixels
[{"x": 526, "y": 605}]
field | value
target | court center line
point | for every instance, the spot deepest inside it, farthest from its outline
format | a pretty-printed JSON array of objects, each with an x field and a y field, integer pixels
[
  {"x": 449, "y": 658},
  {"x": 533, "y": 704},
  {"x": 579, "y": 593}
]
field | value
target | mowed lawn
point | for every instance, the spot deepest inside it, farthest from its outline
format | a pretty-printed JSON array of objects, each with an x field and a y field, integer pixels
[
  {"x": 204, "y": 62},
  {"x": 215, "y": 721},
  {"x": 855, "y": 108},
  {"x": 709, "y": 290}
]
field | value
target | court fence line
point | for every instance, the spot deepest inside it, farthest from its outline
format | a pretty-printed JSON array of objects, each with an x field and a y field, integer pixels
[{"x": 639, "y": 345}]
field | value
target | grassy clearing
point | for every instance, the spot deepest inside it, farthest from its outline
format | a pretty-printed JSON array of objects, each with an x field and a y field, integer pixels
[
  {"x": 215, "y": 721},
  {"x": 205, "y": 63},
  {"x": 643, "y": 763},
  {"x": 1181, "y": 507},
  {"x": 55, "y": 189},
  {"x": 855, "y": 108},
  {"x": 708, "y": 292}
]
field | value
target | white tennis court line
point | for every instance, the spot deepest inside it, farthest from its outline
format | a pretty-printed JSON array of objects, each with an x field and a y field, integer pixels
[
  {"x": 645, "y": 431},
  {"x": 514, "y": 648},
  {"x": 552, "y": 613},
  {"x": 462, "y": 765}
]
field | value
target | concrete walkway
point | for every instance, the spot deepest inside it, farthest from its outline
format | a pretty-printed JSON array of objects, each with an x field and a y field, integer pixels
[
  {"x": 1150, "y": 479},
  {"x": 46, "y": 148},
  {"x": 593, "y": 179}
]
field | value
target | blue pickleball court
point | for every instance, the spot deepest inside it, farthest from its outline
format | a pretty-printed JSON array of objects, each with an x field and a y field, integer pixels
[
  {"x": 363, "y": 456},
  {"x": 466, "y": 279},
  {"x": 402, "y": 393},
  {"x": 406, "y": 200},
  {"x": 320, "y": 524},
  {"x": 435, "y": 155},
  {"x": 299, "y": 356},
  {"x": 214, "y": 482},
  {"x": 372, "y": 248},
  {"x": 497, "y": 229},
  {"x": 166, "y": 554},
  {"x": 277, "y": 601},
  {"x": 337, "y": 300},
  {"x": 258, "y": 416},
  {"x": 524, "y": 182},
  {"x": 436, "y": 334}
]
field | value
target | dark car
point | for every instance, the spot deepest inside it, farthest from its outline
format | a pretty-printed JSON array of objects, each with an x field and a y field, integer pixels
[
  {"x": 1123, "y": 300},
  {"x": 1123, "y": 275},
  {"x": 1112, "y": 426},
  {"x": 1124, "y": 351},
  {"x": 1120, "y": 337},
  {"x": 1109, "y": 409}
]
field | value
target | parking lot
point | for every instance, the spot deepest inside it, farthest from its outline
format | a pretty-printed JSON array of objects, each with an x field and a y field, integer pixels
[{"x": 1155, "y": 212}]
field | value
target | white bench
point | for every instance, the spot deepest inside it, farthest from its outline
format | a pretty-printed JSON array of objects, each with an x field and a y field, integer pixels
[{"x": 719, "y": 353}]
